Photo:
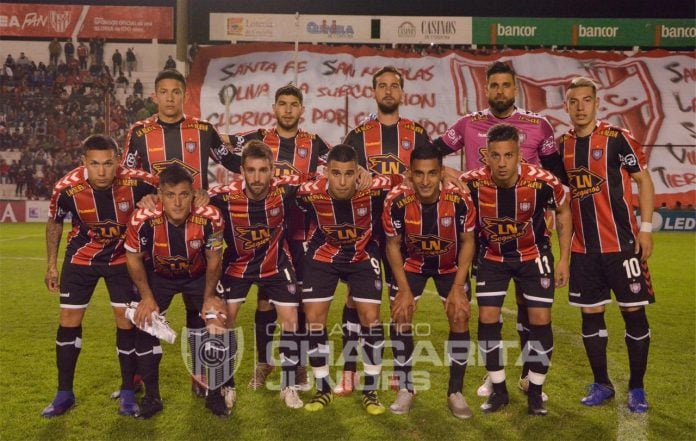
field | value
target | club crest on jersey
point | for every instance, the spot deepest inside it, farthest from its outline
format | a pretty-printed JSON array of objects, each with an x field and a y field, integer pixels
[
  {"x": 405, "y": 144},
  {"x": 597, "y": 153},
  {"x": 196, "y": 244},
  {"x": 446, "y": 221},
  {"x": 525, "y": 206},
  {"x": 634, "y": 287},
  {"x": 545, "y": 282},
  {"x": 124, "y": 206},
  {"x": 362, "y": 211},
  {"x": 302, "y": 152},
  {"x": 190, "y": 146},
  {"x": 274, "y": 211}
]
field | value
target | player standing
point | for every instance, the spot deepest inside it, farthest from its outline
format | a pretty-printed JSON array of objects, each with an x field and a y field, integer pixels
[{"x": 610, "y": 251}]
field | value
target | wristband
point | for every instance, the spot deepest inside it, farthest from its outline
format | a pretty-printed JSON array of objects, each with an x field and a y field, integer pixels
[{"x": 646, "y": 227}]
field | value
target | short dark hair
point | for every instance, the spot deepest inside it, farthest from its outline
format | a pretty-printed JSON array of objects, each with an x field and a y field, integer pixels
[
  {"x": 502, "y": 132},
  {"x": 99, "y": 142},
  {"x": 387, "y": 69},
  {"x": 289, "y": 90},
  {"x": 256, "y": 149},
  {"x": 170, "y": 74},
  {"x": 342, "y": 153},
  {"x": 426, "y": 151},
  {"x": 174, "y": 175},
  {"x": 500, "y": 68}
]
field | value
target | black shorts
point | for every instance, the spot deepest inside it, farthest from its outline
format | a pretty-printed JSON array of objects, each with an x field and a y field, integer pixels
[
  {"x": 534, "y": 277},
  {"x": 593, "y": 275},
  {"x": 280, "y": 288},
  {"x": 165, "y": 289},
  {"x": 363, "y": 278},
  {"x": 77, "y": 283},
  {"x": 443, "y": 285},
  {"x": 297, "y": 252}
]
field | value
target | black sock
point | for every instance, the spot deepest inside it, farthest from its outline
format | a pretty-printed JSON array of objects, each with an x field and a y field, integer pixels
[
  {"x": 402, "y": 348},
  {"x": 638, "y": 344},
  {"x": 125, "y": 346},
  {"x": 318, "y": 355},
  {"x": 301, "y": 336},
  {"x": 351, "y": 331},
  {"x": 372, "y": 352},
  {"x": 149, "y": 353},
  {"x": 265, "y": 327},
  {"x": 490, "y": 345},
  {"x": 458, "y": 346},
  {"x": 540, "y": 351},
  {"x": 523, "y": 333},
  {"x": 595, "y": 337},
  {"x": 68, "y": 344},
  {"x": 289, "y": 357},
  {"x": 193, "y": 319}
]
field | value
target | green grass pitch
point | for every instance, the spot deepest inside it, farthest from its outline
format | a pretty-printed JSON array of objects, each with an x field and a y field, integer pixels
[{"x": 28, "y": 320}]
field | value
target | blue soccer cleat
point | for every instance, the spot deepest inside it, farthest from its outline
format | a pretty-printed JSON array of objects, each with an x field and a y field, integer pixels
[
  {"x": 63, "y": 402},
  {"x": 636, "y": 401},
  {"x": 127, "y": 405},
  {"x": 598, "y": 394}
]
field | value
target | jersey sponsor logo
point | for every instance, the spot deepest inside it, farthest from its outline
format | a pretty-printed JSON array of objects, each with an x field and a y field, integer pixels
[
  {"x": 629, "y": 160},
  {"x": 76, "y": 189},
  {"x": 159, "y": 167},
  {"x": 198, "y": 220},
  {"x": 222, "y": 151},
  {"x": 284, "y": 168},
  {"x": 446, "y": 221},
  {"x": 344, "y": 234},
  {"x": 106, "y": 232},
  {"x": 454, "y": 198},
  {"x": 126, "y": 182},
  {"x": 130, "y": 160},
  {"x": 609, "y": 133},
  {"x": 254, "y": 236},
  {"x": 171, "y": 265},
  {"x": 124, "y": 206},
  {"x": 413, "y": 222},
  {"x": 315, "y": 197},
  {"x": 143, "y": 241},
  {"x": 405, "y": 201},
  {"x": 190, "y": 146},
  {"x": 597, "y": 154},
  {"x": 397, "y": 224},
  {"x": 530, "y": 184},
  {"x": 504, "y": 229},
  {"x": 584, "y": 183},
  {"x": 529, "y": 119},
  {"x": 412, "y": 127},
  {"x": 452, "y": 134},
  {"x": 388, "y": 164},
  {"x": 144, "y": 131},
  {"x": 428, "y": 245},
  {"x": 162, "y": 244},
  {"x": 302, "y": 152},
  {"x": 195, "y": 125},
  {"x": 87, "y": 211},
  {"x": 159, "y": 220},
  {"x": 525, "y": 206}
]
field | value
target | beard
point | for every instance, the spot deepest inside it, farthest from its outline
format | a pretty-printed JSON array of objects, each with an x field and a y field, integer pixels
[
  {"x": 388, "y": 109},
  {"x": 501, "y": 106},
  {"x": 288, "y": 127}
]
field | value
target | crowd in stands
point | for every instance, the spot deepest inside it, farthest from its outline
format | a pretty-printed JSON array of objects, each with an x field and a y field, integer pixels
[{"x": 47, "y": 109}]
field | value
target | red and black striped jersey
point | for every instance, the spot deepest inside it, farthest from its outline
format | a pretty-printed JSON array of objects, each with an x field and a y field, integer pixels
[
  {"x": 510, "y": 222},
  {"x": 599, "y": 168},
  {"x": 153, "y": 145},
  {"x": 99, "y": 217},
  {"x": 344, "y": 231},
  {"x": 430, "y": 232},
  {"x": 299, "y": 155},
  {"x": 386, "y": 149},
  {"x": 255, "y": 230},
  {"x": 171, "y": 251}
]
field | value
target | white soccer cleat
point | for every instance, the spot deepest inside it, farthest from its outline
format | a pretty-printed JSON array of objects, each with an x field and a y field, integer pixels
[
  {"x": 486, "y": 389},
  {"x": 291, "y": 397},
  {"x": 230, "y": 395},
  {"x": 158, "y": 326}
]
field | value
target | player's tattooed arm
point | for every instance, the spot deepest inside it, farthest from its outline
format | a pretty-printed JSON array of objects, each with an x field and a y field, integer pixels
[
  {"x": 564, "y": 227},
  {"x": 54, "y": 231}
]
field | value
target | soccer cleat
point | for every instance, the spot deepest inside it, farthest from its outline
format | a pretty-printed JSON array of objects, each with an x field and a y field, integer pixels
[
  {"x": 598, "y": 394},
  {"x": 637, "y": 402},
  {"x": 149, "y": 407},
  {"x": 523, "y": 384},
  {"x": 495, "y": 402},
  {"x": 457, "y": 404},
  {"x": 301, "y": 380},
  {"x": 63, "y": 402},
  {"x": 157, "y": 327},
  {"x": 349, "y": 379},
  {"x": 319, "y": 401},
  {"x": 126, "y": 403},
  {"x": 230, "y": 395},
  {"x": 137, "y": 387},
  {"x": 535, "y": 404},
  {"x": 199, "y": 385},
  {"x": 261, "y": 372},
  {"x": 371, "y": 403},
  {"x": 215, "y": 402},
  {"x": 403, "y": 402},
  {"x": 291, "y": 397},
  {"x": 486, "y": 389}
]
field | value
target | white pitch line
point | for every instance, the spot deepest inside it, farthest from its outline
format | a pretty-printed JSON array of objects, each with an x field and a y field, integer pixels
[{"x": 19, "y": 238}]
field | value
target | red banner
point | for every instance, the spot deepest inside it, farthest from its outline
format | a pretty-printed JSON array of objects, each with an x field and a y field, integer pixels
[{"x": 62, "y": 21}]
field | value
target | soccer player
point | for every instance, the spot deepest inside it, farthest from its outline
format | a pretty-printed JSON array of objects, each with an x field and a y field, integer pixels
[
  {"x": 255, "y": 212},
  {"x": 172, "y": 249},
  {"x": 610, "y": 250},
  {"x": 511, "y": 200},
  {"x": 342, "y": 245},
  {"x": 295, "y": 152},
  {"x": 384, "y": 146},
  {"x": 100, "y": 195},
  {"x": 170, "y": 137},
  {"x": 435, "y": 225},
  {"x": 537, "y": 147}
]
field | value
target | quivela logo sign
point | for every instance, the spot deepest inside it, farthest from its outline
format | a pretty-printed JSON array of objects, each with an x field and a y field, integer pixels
[{"x": 332, "y": 29}]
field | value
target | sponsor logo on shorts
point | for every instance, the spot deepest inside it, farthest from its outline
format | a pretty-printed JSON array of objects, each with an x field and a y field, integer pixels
[{"x": 65, "y": 294}]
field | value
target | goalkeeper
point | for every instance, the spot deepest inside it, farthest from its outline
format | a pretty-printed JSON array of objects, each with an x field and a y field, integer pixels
[{"x": 174, "y": 248}]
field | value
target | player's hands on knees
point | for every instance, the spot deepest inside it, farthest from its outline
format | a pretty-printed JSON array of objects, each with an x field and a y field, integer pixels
[
  {"x": 200, "y": 197},
  {"x": 213, "y": 313},
  {"x": 51, "y": 280},
  {"x": 143, "y": 313},
  {"x": 562, "y": 273},
  {"x": 457, "y": 304},
  {"x": 148, "y": 202},
  {"x": 644, "y": 245},
  {"x": 403, "y": 306},
  {"x": 364, "y": 179}
]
